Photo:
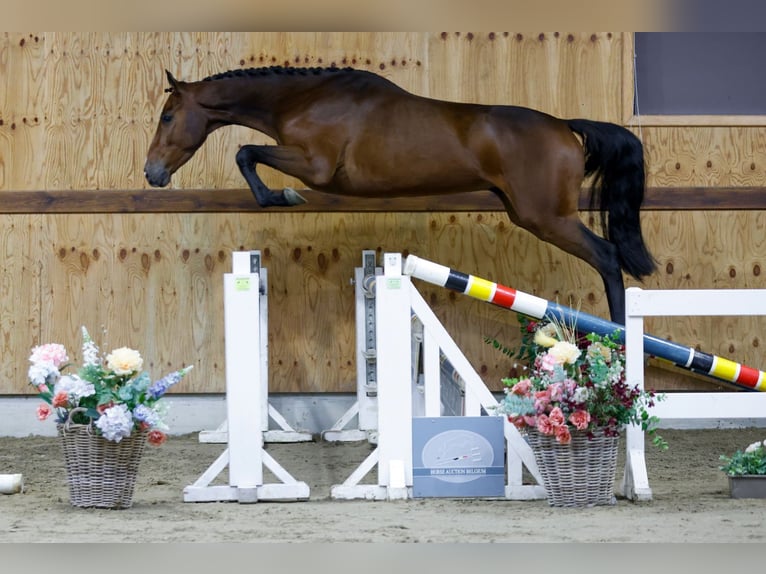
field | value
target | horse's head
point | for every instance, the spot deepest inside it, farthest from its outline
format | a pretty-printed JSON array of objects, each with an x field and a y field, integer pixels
[{"x": 182, "y": 129}]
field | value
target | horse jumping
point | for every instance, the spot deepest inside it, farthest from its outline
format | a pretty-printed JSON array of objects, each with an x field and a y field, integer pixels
[{"x": 355, "y": 133}]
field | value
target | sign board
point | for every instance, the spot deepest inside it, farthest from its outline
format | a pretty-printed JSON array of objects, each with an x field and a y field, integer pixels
[{"x": 458, "y": 457}]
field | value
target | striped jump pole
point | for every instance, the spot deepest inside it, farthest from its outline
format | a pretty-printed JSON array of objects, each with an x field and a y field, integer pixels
[{"x": 686, "y": 357}]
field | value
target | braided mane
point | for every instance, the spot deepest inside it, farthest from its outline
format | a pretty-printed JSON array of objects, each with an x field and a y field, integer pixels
[{"x": 274, "y": 70}]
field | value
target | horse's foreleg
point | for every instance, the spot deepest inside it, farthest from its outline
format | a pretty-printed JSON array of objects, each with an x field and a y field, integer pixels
[{"x": 247, "y": 158}]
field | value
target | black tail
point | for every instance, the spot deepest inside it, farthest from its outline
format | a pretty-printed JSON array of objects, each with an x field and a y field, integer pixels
[{"x": 615, "y": 157}]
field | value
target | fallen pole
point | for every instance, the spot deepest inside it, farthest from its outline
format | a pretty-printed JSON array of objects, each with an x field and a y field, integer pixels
[{"x": 685, "y": 357}]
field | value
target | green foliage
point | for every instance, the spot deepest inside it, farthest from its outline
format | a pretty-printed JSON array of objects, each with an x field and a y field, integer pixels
[
  {"x": 752, "y": 460},
  {"x": 500, "y": 347},
  {"x": 574, "y": 380}
]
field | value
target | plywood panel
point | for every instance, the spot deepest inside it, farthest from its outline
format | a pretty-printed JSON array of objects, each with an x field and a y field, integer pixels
[
  {"x": 705, "y": 156},
  {"x": 570, "y": 75},
  {"x": 154, "y": 282},
  {"x": 85, "y": 105},
  {"x": 81, "y": 110},
  {"x": 22, "y": 100},
  {"x": 135, "y": 285},
  {"x": 101, "y": 92},
  {"x": 20, "y": 238}
]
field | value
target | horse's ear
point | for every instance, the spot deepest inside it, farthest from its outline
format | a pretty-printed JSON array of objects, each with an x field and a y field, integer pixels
[{"x": 172, "y": 81}]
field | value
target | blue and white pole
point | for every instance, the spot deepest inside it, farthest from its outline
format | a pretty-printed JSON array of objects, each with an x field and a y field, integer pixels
[{"x": 538, "y": 308}]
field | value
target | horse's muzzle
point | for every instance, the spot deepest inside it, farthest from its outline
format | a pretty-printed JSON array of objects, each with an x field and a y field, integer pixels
[{"x": 156, "y": 174}]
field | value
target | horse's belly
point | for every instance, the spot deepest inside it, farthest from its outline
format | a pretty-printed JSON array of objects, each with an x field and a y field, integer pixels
[{"x": 406, "y": 177}]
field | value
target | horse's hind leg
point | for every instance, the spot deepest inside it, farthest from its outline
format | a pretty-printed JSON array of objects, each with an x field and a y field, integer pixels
[
  {"x": 247, "y": 158},
  {"x": 570, "y": 234},
  {"x": 607, "y": 264},
  {"x": 574, "y": 237}
]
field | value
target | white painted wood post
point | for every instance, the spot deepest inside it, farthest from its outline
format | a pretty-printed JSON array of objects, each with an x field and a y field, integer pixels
[
  {"x": 394, "y": 378},
  {"x": 246, "y": 402},
  {"x": 244, "y": 392},
  {"x": 641, "y": 303},
  {"x": 635, "y": 483}
]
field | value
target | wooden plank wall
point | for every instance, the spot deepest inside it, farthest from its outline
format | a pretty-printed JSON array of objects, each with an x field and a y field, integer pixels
[{"x": 77, "y": 112}]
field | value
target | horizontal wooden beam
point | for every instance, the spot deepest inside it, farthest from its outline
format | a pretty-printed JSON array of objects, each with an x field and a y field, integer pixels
[{"x": 241, "y": 200}]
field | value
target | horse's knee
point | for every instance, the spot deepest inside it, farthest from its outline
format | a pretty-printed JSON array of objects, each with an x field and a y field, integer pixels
[{"x": 245, "y": 157}]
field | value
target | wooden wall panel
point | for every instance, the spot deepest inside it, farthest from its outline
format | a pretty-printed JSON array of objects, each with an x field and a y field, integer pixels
[
  {"x": 155, "y": 282},
  {"x": 705, "y": 156},
  {"x": 151, "y": 284},
  {"x": 574, "y": 74},
  {"x": 21, "y": 298},
  {"x": 78, "y": 111},
  {"x": 91, "y": 100},
  {"x": 22, "y": 112}
]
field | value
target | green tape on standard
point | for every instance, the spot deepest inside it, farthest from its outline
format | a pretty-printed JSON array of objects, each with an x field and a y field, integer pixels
[{"x": 242, "y": 283}]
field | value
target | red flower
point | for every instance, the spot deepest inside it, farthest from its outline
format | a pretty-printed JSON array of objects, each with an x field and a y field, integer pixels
[
  {"x": 60, "y": 400},
  {"x": 102, "y": 408},
  {"x": 156, "y": 437}
]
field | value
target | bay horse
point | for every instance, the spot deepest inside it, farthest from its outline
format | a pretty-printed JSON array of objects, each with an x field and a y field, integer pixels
[{"x": 354, "y": 133}]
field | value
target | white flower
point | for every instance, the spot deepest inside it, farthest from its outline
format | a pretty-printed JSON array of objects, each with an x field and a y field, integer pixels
[
  {"x": 564, "y": 352},
  {"x": 89, "y": 350},
  {"x": 755, "y": 446},
  {"x": 124, "y": 361},
  {"x": 115, "y": 423},
  {"x": 581, "y": 394},
  {"x": 39, "y": 373},
  {"x": 74, "y": 387}
]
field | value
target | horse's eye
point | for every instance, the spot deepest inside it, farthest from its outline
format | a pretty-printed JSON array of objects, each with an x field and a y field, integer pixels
[{"x": 165, "y": 118}]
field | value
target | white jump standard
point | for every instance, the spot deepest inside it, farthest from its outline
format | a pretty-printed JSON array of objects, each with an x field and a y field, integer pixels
[
  {"x": 283, "y": 432},
  {"x": 396, "y": 301},
  {"x": 245, "y": 456},
  {"x": 364, "y": 410}
]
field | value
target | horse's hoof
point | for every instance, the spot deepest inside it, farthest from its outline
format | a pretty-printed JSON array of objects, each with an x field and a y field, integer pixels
[{"x": 293, "y": 197}]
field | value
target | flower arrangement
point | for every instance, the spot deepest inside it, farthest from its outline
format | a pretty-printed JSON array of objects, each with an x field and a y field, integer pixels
[
  {"x": 111, "y": 392},
  {"x": 751, "y": 461},
  {"x": 574, "y": 382}
]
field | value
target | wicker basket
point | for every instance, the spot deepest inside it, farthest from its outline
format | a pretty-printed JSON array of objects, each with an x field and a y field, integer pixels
[
  {"x": 577, "y": 474},
  {"x": 100, "y": 473}
]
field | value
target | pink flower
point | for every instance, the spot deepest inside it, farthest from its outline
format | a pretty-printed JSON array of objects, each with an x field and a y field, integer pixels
[
  {"x": 530, "y": 420},
  {"x": 522, "y": 388},
  {"x": 54, "y": 353},
  {"x": 544, "y": 425},
  {"x": 562, "y": 434},
  {"x": 43, "y": 412},
  {"x": 60, "y": 400},
  {"x": 556, "y": 391},
  {"x": 548, "y": 363},
  {"x": 556, "y": 416},
  {"x": 517, "y": 421},
  {"x": 580, "y": 419},
  {"x": 542, "y": 400}
]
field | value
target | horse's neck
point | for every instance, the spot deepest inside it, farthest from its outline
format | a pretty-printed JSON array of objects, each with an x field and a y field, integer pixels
[{"x": 253, "y": 104}]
